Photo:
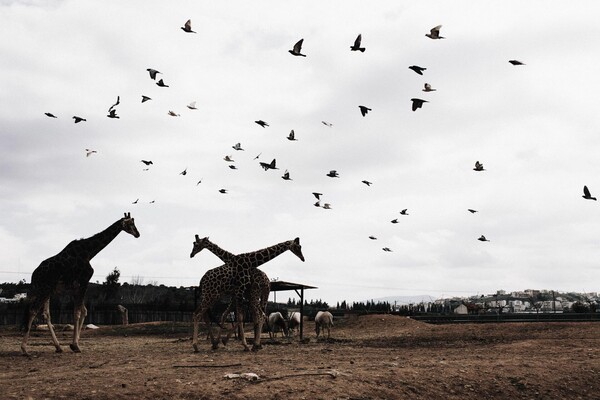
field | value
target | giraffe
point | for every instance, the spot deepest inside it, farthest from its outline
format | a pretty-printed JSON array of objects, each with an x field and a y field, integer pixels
[
  {"x": 234, "y": 278},
  {"x": 69, "y": 270},
  {"x": 257, "y": 292}
]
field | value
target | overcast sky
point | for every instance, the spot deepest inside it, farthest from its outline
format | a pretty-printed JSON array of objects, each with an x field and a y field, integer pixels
[{"x": 534, "y": 127}]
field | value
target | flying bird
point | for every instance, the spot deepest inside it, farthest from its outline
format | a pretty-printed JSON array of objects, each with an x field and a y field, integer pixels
[
  {"x": 237, "y": 146},
  {"x": 192, "y": 106},
  {"x": 223, "y": 191},
  {"x": 372, "y": 237},
  {"x": 364, "y": 110},
  {"x": 199, "y": 182},
  {"x": 317, "y": 195},
  {"x": 184, "y": 172},
  {"x": 478, "y": 166},
  {"x": 268, "y": 166},
  {"x": 262, "y": 123},
  {"x": 317, "y": 204},
  {"x": 116, "y": 104},
  {"x": 434, "y": 33},
  {"x": 417, "y": 69},
  {"x": 152, "y": 202},
  {"x": 112, "y": 114},
  {"x": 356, "y": 45},
  {"x": 586, "y": 194},
  {"x": 394, "y": 221},
  {"x": 291, "y": 136},
  {"x": 147, "y": 162},
  {"x": 333, "y": 174},
  {"x": 387, "y": 249},
  {"x": 428, "y": 88},
  {"x": 50, "y": 115},
  {"x": 471, "y": 210},
  {"x": 78, "y": 119},
  {"x": 152, "y": 73},
  {"x": 89, "y": 152},
  {"x": 145, "y": 98},
  {"x": 327, "y": 123},
  {"x": 516, "y": 62},
  {"x": 327, "y": 206},
  {"x": 404, "y": 212},
  {"x": 135, "y": 202},
  {"x": 231, "y": 166},
  {"x": 297, "y": 49},
  {"x": 482, "y": 239},
  {"x": 173, "y": 113},
  {"x": 367, "y": 183},
  {"x": 286, "y": 176},
  {"x": 188, "y": 27},
  {"x": 161, "y": 83},
  {"x": 256, "y": 158},
  {"x": 417, "y": 103},
  {"x": 228, "y": 159}
]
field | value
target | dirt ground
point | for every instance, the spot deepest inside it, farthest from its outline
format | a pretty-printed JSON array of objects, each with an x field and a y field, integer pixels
[{"x": 372, "y": 357}]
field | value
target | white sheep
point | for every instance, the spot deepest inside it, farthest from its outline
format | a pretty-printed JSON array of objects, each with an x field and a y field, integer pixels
[
  {"x": 323, "y": 320},
  {"x": 276, "y": 320}
]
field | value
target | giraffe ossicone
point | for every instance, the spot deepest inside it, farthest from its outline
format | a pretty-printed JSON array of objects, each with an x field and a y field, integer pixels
[{"x": 71, "y": 269}]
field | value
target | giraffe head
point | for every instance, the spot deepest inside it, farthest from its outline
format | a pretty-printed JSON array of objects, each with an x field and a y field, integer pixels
[
  {"x": 199, "y": 245},
  {"x": 296, "y": 248},
  {"x": 128, "y": 224}
]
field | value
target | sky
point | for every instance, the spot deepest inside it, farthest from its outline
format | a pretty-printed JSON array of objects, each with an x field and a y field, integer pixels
[{"x": 534, "y": 127}]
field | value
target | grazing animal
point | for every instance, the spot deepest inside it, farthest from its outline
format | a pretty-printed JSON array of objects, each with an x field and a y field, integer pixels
[
  {"x": 296, "y": 51},
  {"x": 234, "y": 278},
  {"x": 70, "y": 270},
  {"x": 356, "y": 45},
  {"x": 323, "y": 320},
  {"x": 586, "y": 194},
  {"x": 294, "y": 322},
  {"x": 257, "y": 292},
  {"x": 274, "y": 321},
  {"x": 434, "y": 33}
]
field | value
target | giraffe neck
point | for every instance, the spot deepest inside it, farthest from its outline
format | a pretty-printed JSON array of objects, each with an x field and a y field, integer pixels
[
  {"x": 259, "y": 257},
  {"x": 94, "y": 244},
  {"x": 224, "y": 255}
]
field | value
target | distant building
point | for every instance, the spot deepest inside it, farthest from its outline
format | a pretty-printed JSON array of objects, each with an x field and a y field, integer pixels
[{"x": 461, "y": 309}]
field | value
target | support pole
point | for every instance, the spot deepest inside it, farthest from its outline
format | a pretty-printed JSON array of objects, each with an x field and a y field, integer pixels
[{"x": 301, "y": 313}]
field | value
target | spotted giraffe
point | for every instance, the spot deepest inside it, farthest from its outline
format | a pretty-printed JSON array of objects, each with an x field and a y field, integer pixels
[
  {"x": 234, "y": 278},
  {"x": 261, "y": 285},
  {"x": 69, "y": 270}
]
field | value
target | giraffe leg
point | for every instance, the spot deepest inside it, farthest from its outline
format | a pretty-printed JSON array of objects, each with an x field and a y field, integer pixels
[
  {"x": 77, "y": 325},
  {"x": 259, "y": 319},
  {"x": 240, "y": 324},
  {"x": 50, "y": 326},
  {"x": 33, "y": 308}
]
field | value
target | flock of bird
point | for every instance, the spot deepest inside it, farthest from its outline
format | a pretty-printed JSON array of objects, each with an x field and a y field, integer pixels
[{"x": 296, "y": 51}]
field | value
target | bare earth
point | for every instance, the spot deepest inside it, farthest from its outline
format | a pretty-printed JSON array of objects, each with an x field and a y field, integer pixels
[{"x": 372, "y": 357}]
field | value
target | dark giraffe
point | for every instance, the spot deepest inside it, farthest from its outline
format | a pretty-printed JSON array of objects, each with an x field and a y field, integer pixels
[
  {"x": 69, "y": 270},
  {"x": 258, "y": 291},
  {"x": 234, "y": 278}
]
